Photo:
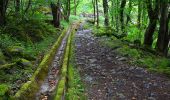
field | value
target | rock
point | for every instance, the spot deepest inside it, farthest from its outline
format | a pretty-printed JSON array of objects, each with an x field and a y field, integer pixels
[
  {"x": 24, "y": 63},
  {"x": 92, "y": 60},
  {"x": 89, "y": 79},
  {"x": 15, "y": 51},
  {"x": 121, "y": 95},
  {"x": 122, "y": 59}
]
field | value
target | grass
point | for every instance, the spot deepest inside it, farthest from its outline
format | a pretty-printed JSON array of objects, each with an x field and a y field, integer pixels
[
  {"x": 139, "y": 57},
  {"x": 75, "y": 89}
]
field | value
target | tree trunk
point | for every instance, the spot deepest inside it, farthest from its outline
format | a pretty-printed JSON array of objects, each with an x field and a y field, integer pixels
[
  {"x": 149, "y": 32},
  {"x": 112, "y": 10},
  {"x": 139, "y": 13},
  {"x": 106, "y": 15},
  {"x": 122, "y": 6},
  {"x": 67, "y": 11},
  {"x": 56, "y": 14},
  {"x": 117, "y": 16},
  {"x": 163, "y": 39},
  {"x": 17, "y": 6},
  {"x": 97, "y": 10},
  {"x": 75, "y": 8},
  {"x": 94, "y": 10},
  {"x": 3, "y": 7},
  {"x": 153, "y": 17},
  {"x": 129, "y": 12}
]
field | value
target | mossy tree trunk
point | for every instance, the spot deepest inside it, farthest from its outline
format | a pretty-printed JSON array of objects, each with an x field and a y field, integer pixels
[
  {"x": 163, "y": 36},
  {"x": 153, "y": 17},
  {"x": 97, "y": 10},
  {"x": 122, "y": 7},
  {"x": 67, "y": 10},
  {"x": 129, "y": 12},
  {"x": 56, "y": 14},
  {"x": 106, "y": 15},
  {"x": 3, "y": 7},
  {"x": 94, "y": 10}
]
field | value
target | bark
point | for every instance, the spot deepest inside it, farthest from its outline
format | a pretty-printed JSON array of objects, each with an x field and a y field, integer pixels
[
  {"x": 94, "y": 10},
  {"x": 112, "y": 18},
  {"x": 129, "y": 12},
  {"x": 139, "y": 14},
  {"x": 3, "y": 7},
  {"x": 122, "y": 6},
  {"x": 97, "y": 10},
  {"x": 75, "y": 8},
  {"x": 163, "y": 39},
  {"x": 106, "y": 15},
  {"x": 153, "y": 17},
  {"x": 117, "y": 17},
  {"x": 56, "y": 14},
  {"x": 68, "y": 10}
]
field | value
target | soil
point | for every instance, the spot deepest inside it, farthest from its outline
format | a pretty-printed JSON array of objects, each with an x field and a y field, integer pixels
[{"x": 109, "y": 76}]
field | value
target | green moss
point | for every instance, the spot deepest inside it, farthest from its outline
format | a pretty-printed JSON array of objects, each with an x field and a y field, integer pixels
[
  {"x": 24, "y": 63},
  {"x": 3, "y": 89},
  {"x": 61, "y": 85},
  {"x": 102, "y": 31},
  {"x": 75, "y": 89},
  {"x": 15, "y": 51},
  {"x": 60, "y": 88},
  {"x": 127, "y": 51}
]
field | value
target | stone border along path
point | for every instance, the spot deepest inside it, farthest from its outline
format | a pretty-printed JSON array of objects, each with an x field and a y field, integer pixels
[
  {"x": 47, "y": 89},
  {"x": 109, "y": 77},
  {"x": 30, "y": 88},
  {"x": 44, "y": 82},
  {"x": 53, "y": 86}
]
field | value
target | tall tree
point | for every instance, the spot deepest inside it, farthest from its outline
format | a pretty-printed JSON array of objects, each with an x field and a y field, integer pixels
[
  {"x": 3, "y": 7},
  {"x": 163, "y": 36},
  {"x": 139, "y": 13},
  {"x": 97, "y": 10},
  {"x": 153, "y": 17},
  {"x": 94, "y": 10},
  {"x": 106, "y": 15},
  {"x": 129, "y": 12},
  {"x": 56, "y": 13},
  {"x": 122, "y": 6}
]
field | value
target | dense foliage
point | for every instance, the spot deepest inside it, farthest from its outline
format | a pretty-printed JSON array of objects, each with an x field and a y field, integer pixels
[{"x": 29, "y": 27}]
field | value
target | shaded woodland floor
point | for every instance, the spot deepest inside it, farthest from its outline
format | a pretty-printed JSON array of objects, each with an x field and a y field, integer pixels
[{"x": 108, "y": 76}]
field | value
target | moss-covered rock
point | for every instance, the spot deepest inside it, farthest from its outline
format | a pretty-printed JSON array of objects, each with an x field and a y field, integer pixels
[
  {"x": 24, "y": 63},
  {"x": 4, "y": 89},
  {"x": 14, "y": 51}
]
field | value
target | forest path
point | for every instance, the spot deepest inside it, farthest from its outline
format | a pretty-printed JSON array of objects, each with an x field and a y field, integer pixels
[{"x": 108, "y": 76}]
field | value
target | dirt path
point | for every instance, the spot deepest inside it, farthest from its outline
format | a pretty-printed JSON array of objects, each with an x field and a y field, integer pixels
[
  {"x": 108, "y": 76},
  {"x": 47, "y": 89}
]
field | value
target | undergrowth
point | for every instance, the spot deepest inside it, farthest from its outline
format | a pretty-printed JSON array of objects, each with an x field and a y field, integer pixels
[
  {"x": 22, "y": 45},
  {"x": 139, "y": 57}
]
